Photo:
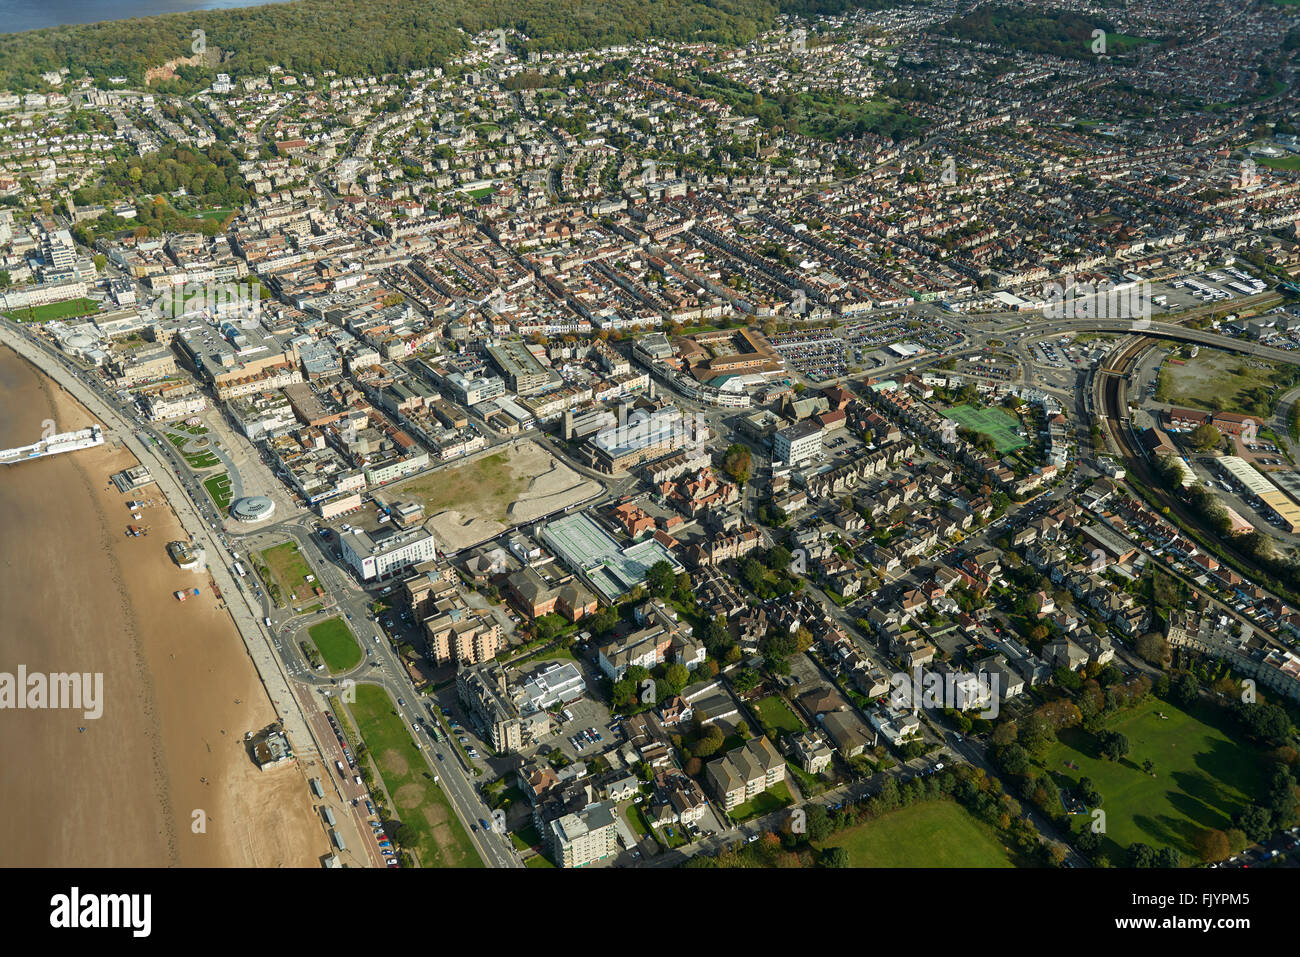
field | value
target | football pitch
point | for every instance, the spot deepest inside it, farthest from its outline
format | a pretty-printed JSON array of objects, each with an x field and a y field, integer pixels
[{"x": 995, "y": 423}]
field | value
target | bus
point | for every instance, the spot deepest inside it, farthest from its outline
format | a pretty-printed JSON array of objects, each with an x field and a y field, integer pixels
[{"x": 239, "y": 570}]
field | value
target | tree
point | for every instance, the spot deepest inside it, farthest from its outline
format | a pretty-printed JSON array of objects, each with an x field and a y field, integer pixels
[
  {"x": 1088, "y": 841},
  {"x": 835, "y": 857},
  {"x": 716, "y": 633},
  {"x": 661, "y": 579},
  {"x": 1141, "y": 855},
  {"x": 1211, "y": 845},
  {"x": 779, "y": 558},
  {"x": 709, "y": 743},
  {"x": 1205, "y": 437},
  {"x": 737, "y": 463},
  {"x": 1153, "y": 649},
  {"x": 1186, "y": 689},
  {"x": 675, "y": 677},
  {"x": 818, "y": 822},
  {"x": 1114, "y": 745},
  {"x": 604, "y": 621},
  {"x": 1256, "y": 822}
]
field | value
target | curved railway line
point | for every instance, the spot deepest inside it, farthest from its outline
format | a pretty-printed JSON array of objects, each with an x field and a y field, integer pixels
[{"x": 1118, "y": 429}]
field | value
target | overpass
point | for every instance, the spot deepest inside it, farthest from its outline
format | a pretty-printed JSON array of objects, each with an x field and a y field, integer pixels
[{"x": 1156, "y": 330}]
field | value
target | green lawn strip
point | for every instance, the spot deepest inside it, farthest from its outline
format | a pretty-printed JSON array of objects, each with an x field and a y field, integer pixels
[
  {"x": 1202, "y": 777},
  {"x": 345, "y": 721},
  {"x": 442, "y": 840},
  {"x": 69, "y": 309},
  {"x": 202, "y": 460},
  {"x": 939, "y": 833},
  {"x": 337, "y": 645},
  {"x": 636, "y": 820},
  {"x": 773, "y": 799},
  {"x": 776, "y": 717}
]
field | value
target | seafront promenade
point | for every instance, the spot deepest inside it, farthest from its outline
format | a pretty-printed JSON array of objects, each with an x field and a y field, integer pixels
[{"x": 289, "y": 709}]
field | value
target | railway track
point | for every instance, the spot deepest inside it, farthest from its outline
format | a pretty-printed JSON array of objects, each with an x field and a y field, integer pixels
[{"x": 1118, "y": 428}]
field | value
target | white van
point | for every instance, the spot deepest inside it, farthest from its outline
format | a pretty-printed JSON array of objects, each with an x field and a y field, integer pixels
[{"x": 267, "y": 622}]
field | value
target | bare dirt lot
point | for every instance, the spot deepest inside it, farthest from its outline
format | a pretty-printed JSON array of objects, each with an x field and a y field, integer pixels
[{"x": 483, "y": 497}]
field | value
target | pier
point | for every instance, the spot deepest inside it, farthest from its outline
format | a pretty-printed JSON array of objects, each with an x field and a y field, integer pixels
[{"x": 54, "y": 445}]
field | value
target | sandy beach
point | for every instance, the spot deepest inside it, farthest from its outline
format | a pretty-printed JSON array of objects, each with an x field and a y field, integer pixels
[{"x": 78, "y": 594}]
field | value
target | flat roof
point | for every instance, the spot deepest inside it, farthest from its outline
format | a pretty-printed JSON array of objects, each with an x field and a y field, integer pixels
[{"x": 588, "y": 549}]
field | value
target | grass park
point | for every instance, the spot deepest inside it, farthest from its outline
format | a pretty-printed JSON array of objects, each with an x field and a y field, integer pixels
[
  {"x": 1201, "y": 776},
  {"x": 337, "y": 646},
  {"x": 441, "y": 840},
  {"x": 286, "y": 573},
  {"x": 998, "y": 425},
  {"x": 930, "y": 834},
  {"x": 199, "y": 458},
  {"x": 69, "y": 309}
]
